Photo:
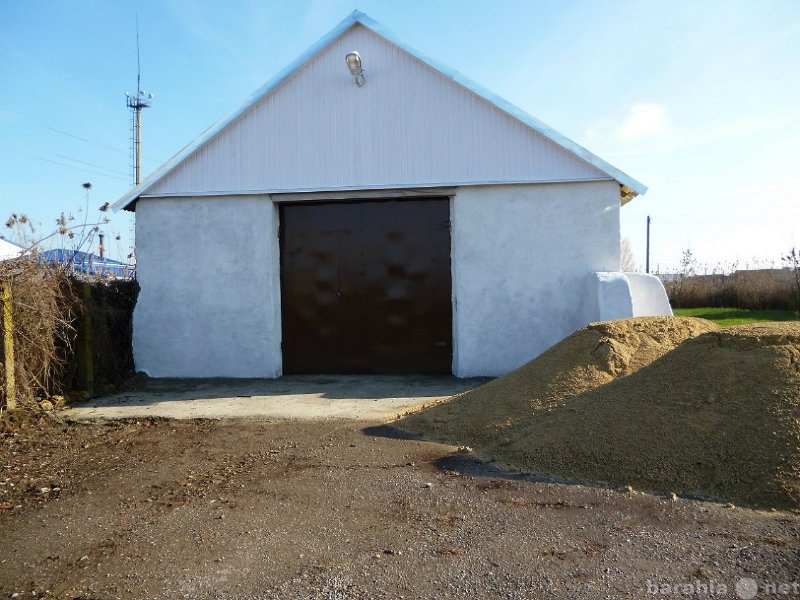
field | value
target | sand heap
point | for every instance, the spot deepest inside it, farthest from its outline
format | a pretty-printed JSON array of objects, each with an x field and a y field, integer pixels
[
  {"x": 587, "y": 359},
  {"x": 626, "y": 403}
]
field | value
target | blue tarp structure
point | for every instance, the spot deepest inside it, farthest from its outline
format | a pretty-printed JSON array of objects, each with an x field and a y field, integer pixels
[{"x": 88, "y": 264}]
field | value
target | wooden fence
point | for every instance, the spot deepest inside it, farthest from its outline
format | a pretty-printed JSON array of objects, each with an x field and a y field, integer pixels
[{"x": 10, "y": 383}]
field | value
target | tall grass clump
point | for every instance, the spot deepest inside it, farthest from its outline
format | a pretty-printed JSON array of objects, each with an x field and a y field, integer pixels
[
  {"x": 753, "y": 289},
  {"x": 70, "y": 329},
  {"x": 42, "y": 314}
]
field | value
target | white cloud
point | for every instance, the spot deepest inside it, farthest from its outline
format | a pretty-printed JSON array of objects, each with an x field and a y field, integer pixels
[{"x": 645, "y": 119}]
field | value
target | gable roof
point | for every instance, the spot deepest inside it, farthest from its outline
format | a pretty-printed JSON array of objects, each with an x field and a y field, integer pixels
[{"x": 629, "y": 186}]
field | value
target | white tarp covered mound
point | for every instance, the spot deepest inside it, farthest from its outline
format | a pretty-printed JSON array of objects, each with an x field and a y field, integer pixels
[
  {"x": 9, "y": 250},
  {"x": 615, "y": 295}
]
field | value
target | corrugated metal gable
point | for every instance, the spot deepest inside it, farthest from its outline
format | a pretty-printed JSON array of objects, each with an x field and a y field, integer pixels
[
  {"x": 408, "y": 126},
  {"x": 415, "y": 123}
]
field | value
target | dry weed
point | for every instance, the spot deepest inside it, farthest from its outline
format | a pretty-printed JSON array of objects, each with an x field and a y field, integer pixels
[{"x": 42, "y": 302}]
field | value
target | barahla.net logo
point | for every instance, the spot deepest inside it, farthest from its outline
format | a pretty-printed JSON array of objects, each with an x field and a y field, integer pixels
[{"x": 746, "y": 588}]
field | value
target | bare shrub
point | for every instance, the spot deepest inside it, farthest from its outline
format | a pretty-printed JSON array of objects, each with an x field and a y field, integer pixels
[
  {"x": 42, "y": 305},
  {"x": 792, "y": 261},
  {"x": 627, "y": 262},
  {"x": 683, "y": 285},
  {"x": 48, "y": 297}
]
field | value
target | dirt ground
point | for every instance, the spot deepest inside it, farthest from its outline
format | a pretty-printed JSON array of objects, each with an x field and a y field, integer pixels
[{"x": 157, "y": 508}]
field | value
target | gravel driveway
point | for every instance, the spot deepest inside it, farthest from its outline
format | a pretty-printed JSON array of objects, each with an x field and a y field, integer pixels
[{"x": 336, "y": 508}]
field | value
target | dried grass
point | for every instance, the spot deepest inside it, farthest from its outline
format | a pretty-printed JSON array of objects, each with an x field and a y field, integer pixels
[
  {"x": 755, "y": 290},
  {"x": 43, "y": 306}
]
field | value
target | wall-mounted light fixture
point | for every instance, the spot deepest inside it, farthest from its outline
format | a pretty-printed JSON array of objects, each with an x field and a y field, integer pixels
[{"x": 353, "y": 60}]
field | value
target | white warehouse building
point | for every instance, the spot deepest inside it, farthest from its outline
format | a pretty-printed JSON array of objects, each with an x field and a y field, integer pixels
[{"x": 398, "y": 218}]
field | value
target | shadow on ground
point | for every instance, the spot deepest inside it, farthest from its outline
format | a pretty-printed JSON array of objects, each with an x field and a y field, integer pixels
[{"x": 466, "y": 463}]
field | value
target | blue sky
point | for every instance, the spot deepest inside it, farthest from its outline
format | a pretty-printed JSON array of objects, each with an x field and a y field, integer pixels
[{"x": 700, "y": 100}]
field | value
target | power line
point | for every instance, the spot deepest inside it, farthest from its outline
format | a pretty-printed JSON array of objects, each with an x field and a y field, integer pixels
[
  {"x": 690, "y": 221},
  {"x": 88, "y": 141},
  {"x": 83, "y": 139},
  {"x": 28, "y": 121},
  {"x": 72, "y": 166},
  {"x": 88, "y": 164}
]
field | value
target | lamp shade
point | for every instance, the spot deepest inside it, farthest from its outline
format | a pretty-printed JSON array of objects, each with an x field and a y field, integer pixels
[{"x": 354, "y": 63}]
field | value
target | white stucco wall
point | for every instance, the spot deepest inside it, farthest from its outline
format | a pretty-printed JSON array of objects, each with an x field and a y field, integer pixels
[
  {"x": 209, "y": 304},
  {"x": 521, "y": 258},
  {"x": 522, "y": 254}
]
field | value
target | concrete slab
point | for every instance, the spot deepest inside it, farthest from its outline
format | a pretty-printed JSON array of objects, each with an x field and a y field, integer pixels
[{"x": 353, "y": 397}]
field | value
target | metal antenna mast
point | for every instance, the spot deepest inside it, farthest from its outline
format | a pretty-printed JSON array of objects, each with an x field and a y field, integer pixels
[{"x": 136, "y": 103}]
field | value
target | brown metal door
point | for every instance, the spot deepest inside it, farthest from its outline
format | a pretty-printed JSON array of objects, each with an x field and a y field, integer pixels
[{"x": 366, "y": 287}]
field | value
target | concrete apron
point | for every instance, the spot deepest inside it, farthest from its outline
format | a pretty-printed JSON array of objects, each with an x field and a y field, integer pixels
[{"x": 352, "y": 397}]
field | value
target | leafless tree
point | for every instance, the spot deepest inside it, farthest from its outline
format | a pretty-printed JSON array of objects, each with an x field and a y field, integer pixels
[{"x": 627, "y": 263}]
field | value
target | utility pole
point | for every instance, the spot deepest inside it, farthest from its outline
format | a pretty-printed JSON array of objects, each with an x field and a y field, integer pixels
[{"x": 647, "y": 255}]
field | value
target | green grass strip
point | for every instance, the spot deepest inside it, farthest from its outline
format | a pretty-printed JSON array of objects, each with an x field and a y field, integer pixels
[{"x": 725, "y": 317}]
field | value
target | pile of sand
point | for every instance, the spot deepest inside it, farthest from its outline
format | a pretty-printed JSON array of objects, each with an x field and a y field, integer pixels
[
  {"x": 587, "y": 359},
  {"x": 626, "y": 403}
]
